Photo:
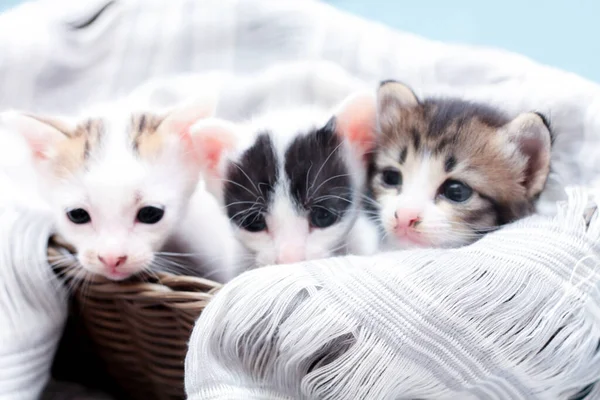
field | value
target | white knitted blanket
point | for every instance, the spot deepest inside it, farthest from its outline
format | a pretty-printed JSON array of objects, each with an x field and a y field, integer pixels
[
  {"x": 514, "y": 316},
  {"x": 452, "y": 324},
  {"x": 33, "y": 305}
]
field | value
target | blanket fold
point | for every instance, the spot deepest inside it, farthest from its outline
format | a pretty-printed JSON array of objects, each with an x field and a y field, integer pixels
[{"x": 33, "y": 305}]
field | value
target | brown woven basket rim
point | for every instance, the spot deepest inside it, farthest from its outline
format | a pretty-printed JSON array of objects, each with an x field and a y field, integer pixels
[{"x": 139, "y": 327}]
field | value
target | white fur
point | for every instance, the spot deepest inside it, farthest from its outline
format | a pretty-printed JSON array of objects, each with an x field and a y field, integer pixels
[
  {"x": 108, "y": 190},
  {"x": 422, "y": 175},
  {"x": 205, "y": 233}
]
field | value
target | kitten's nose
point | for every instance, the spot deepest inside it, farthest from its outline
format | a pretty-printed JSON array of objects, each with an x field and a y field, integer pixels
[
  {"x": 407, "y": 217},
  {"x": 112, "y": 261},
  {"x": 289, "y": 255}
]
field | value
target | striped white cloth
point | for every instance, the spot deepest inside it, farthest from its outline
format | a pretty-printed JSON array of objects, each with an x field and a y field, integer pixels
[
  {"x": 60, "y": 55},
  {"x": 513, "y": 316},
  {"x": 33, "y": 305}
]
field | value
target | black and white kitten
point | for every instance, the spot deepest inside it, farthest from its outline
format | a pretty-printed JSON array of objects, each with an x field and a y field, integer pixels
[{"x": 292, "y": 181}]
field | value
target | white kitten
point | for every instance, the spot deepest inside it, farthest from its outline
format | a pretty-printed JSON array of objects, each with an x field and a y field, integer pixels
[{"x": 119, "y": 184}]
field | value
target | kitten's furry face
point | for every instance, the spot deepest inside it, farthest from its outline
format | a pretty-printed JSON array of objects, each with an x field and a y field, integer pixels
[
  {"x": 447, "y": 171},
  {"x": 292, "y": 182},
  {"x": 118, "y": 183}
]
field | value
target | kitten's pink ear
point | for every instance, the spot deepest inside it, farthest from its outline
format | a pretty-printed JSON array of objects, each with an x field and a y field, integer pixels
[
  {"x": 392, "y": 95},
  {"x": 531, "y": 134},
  {"x": 213, "y": 139},
  {"x": 181, "y": 118},
  {"x": 355, "y": 120},
  {"x": 43, "y": 135}
]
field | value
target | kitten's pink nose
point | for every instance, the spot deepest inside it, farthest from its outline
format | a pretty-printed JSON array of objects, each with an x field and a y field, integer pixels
[
  {"x": 112, "y": 262},
  {"x": 289, "y": 255},
  {"x": 407, "y": 217}
]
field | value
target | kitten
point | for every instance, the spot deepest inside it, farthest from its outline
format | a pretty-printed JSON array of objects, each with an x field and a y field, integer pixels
[
  {"x": 291, "y": 182},
  {"x": 118, "y": 182},
  {"x": 446, "y": 170}
]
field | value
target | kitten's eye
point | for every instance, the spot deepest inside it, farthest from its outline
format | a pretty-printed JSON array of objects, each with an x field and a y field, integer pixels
[
  {"x": 257, "y": 224},
  {"x": 456, "y": 191},
  {"x": 391, "y": 177},
  {"x": 322, "y": 218},
  {"x": 150, "y": 215},
  {"x": 79, "y": 216}
]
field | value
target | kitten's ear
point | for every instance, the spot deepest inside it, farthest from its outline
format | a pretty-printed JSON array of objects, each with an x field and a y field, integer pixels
[
  {"x": 43, "y": 134},
  {"x": 392, "y": 95},
  {"x": 213, "y": 139},
  {"x": 355, "y": 120},
  {"x": 180, "y": 119},
  {"x": 531, "y": 134}
]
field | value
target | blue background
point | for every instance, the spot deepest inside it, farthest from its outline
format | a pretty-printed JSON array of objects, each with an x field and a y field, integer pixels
[{"x": 561, "y": 33}]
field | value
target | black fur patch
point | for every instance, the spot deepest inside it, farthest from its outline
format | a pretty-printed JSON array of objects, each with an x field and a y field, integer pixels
[
  {"x": 507, "y": 213},
  {"x": 251, "y": 180},
  {"x": 403, "y": 155},
  {"x": 441, "y": 145},
  {"x": 416, "y": 137},
  {"x": 449, "y": 164},
  {"x": 317, "y": 172}
]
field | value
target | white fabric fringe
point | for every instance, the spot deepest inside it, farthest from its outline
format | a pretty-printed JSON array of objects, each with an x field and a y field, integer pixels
[
  {"x": 514, "y": 316},
  {"x": 33, "y": 305}
]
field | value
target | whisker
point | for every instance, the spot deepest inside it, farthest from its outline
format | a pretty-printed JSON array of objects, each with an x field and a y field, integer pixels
[
  {"x": 239, "y": 167},
  {"x": 308, "y": 174},
  {"x": 257, "y": 195},
  {"x": 310, "y": 191},
  {"x": 235, "y": 203},
  {"x": 324, "y": 182},
  {"x": 332, "y": 196}
]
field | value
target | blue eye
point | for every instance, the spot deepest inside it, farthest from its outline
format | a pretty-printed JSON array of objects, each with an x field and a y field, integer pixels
[
  {"x": 456, "y": 191},
  {"x": 322, "y": 218},
  {"x": 79, "y": 216}
]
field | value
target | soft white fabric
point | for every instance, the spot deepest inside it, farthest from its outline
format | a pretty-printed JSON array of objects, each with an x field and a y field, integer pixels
[
  {"x": 33, "y": 305},
  {"x": 513, "y": 316},
  {"x": 53, "y": 60}
]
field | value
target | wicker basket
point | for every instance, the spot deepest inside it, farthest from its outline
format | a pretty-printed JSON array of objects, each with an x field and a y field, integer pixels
[{"x": 140, "y": 329}]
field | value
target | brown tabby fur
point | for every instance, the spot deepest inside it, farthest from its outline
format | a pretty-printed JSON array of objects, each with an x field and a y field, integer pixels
[{"x": 462, "y": 141}]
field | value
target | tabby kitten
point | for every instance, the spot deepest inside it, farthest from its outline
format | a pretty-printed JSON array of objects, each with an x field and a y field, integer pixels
[{"x": 446, "y": 171}]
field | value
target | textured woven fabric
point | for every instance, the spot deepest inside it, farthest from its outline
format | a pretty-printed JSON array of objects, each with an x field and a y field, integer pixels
[
  {"x": 33, "y": 305},
  {"x": 513, "y": 316},
  {"x": 58, "y": 56}
]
